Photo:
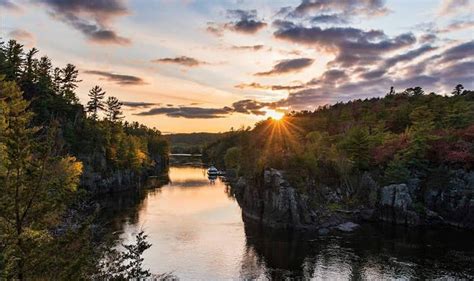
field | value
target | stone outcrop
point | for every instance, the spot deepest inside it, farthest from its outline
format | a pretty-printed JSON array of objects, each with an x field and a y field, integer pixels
[
  {"x": 99, "y": 178},
  {"x": 275, "y": 203}
]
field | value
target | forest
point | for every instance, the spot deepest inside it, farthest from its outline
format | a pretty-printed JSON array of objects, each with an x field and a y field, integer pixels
[
  {"x": 408, "y": 137},
  {"x": 51, "y": 146}
]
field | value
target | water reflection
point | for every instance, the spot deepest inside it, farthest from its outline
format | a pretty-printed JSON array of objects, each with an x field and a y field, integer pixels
[{"x": 197, "y": 232}]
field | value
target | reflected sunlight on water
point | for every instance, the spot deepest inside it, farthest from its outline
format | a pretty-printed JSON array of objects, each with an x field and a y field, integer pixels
[{"x": 197, "y": 232}]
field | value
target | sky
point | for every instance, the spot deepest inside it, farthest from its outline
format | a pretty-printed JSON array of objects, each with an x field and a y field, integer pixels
[{"x": 209, "y": 66}]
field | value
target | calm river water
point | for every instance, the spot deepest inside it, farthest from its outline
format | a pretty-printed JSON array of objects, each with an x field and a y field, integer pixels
[{"x": 197, "y": 232}]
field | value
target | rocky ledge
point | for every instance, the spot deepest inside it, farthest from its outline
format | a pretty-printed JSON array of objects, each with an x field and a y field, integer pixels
[{"x": 275, "y": 203}]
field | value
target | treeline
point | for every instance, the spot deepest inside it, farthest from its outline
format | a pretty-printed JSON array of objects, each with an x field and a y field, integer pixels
[
  {"x": 402, "y": 137},
  {"x": 49, "y": 143},
  {"x": 192, "y": 143}
]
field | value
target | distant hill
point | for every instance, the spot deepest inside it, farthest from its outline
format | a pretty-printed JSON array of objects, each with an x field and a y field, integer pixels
[{"x": 191, "y": 142}]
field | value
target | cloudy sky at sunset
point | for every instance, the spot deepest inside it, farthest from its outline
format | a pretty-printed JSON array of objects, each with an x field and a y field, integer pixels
[{"x": 190, "y": 65}]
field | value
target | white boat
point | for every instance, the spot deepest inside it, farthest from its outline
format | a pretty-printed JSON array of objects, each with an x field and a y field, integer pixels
[{"x": 212, "y": 171}]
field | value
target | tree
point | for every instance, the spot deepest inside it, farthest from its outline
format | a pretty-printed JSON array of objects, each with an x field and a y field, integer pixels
[
  {"x": 69, "y": 83},
  {"x": 34, "y": 182},
  {"x": 458, "y": 90},
  {"x": 356, "y": 144},
  {"x": 232, "y": 157},
  {"x": 113, "y": 107},
  {"x": 95, "y": 103}
]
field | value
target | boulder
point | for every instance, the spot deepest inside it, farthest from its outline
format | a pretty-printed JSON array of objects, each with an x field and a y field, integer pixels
[{"x": 347, "y": 227}]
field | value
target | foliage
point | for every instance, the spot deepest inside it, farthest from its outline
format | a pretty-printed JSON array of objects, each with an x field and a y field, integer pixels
[
  {"x": 47, "y": 143},
  {"x": 394, "y": 139}
]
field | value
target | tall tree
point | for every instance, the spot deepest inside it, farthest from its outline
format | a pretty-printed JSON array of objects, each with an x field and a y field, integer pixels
[
  {"x": 113, "y": 109},
  {"x": 95, "y": 103},
  {"x": 69, "y": 83},
  {"x": 34, "y": 183},
  {"x": 458, "y": 90}
]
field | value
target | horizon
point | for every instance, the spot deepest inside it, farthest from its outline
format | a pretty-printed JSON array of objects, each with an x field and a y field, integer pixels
[{"x": 231, "y": 64}]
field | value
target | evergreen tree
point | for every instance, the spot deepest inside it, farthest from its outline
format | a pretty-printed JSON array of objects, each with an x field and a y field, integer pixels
[
  {"x": 113, "y": 107},
  {"x": 34, "y": 183},
  {"x": 69, "y": 83},
  {"x": 458, "y": 90},
  {"x": 95, "y": 103}
]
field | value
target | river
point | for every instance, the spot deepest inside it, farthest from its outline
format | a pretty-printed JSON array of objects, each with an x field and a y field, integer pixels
[{"x": 197, "y": 232}]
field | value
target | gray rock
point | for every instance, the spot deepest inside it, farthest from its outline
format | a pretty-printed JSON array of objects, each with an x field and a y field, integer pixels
[
  {"x": 323, "y": 231},
  {"x": 347, "y": 227},
  {"x": 396, "y": 196}
]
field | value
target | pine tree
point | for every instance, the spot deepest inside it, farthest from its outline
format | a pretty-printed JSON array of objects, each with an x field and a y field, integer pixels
[
  {"x": 69, "y": 83},
  {"x": 95, "y": 103},
  {"x": 33, "y": 182},
  {"x": 113, "y": 106}
]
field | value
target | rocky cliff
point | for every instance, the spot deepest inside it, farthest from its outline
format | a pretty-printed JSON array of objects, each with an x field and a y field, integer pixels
[
  {"x": 275, "y": 203},
  {"x": 98, "y": 177}
]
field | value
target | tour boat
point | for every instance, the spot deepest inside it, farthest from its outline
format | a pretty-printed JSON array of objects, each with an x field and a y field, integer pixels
[{"x": 212, "y": 171}]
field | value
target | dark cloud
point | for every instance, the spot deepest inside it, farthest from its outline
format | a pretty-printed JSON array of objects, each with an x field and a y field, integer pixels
[
  {"x": 244, "y": 21},
  {"x": 249, "y": 48},
  {"x": 120, "y": 79},
  {"x": 459, "y": 52},
  {"x": 331, "y": 76},
  {"x": 183, "y": 60},
  {"x": 373, "y": 74},
  {"x": 408, "y": 56},
  {"x": 352, "y": 46},
  {"x": 138, "y": 104},
  {"x": 259, "y": 86},
  {"x": 247, "y": 21},
  {"x": 190, "y": 112},
  {"x": 247, "y": 106},
  {"x": 330, "y": 18},
  {"x": 92, "y": 18},
  {"x": 8, "y": 4},
  {"x": 359, "y": 7},
  {"x": 285, "y": 66},
  {"x": 250, "y": 107}
]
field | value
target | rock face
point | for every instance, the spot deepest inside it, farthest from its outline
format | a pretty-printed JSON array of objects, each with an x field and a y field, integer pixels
[
  {"x": 114, "y": 180},
  {"x": 276, "y": 204},
  {"x": 396, "y": 205}
]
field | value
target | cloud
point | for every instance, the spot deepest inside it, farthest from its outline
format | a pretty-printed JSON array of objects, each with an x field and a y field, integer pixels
[
  {"x": 248, "y": 48},
  {"x": 22, "y": 36},
  {"x": 249, "y": 106},
  {"x": 190, "y": 112},
  {"x": 457, "y": 25},
  {"x": 330, "y": 18},
  {"x": 247, "y": 21},
  {"x": 183, "y": 60},
  {"x": 458, "y": 52},
  {"x": 448, "y": 7},
  {"x": 259, "y": 86},
  {"x": 120, "y": 79},
  {"x": 244, "y": 21},
  {"x": 352, "y": 46},
  {"x": 91, "y": 18},
  {"x": 285, "y": 66},
  {"x": 331, "y": 76},
  {"x": 138, "y": 104},
  {"x": 359, "y": 7},
  {"x": 9, "y": 5}
]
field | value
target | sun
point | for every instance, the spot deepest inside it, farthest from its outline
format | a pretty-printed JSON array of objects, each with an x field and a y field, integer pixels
[{"x": 276, "y": 115}]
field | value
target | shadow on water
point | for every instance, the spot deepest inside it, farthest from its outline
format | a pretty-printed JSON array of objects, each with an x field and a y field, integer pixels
[
  {"x": 373, "y": 252},
  {"x": 197, "y": 231}
]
